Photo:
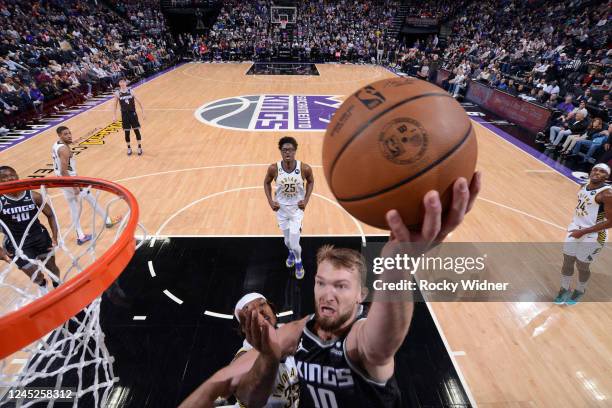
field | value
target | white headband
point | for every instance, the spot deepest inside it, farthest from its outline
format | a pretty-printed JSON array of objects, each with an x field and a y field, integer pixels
[
  {"x": 603, "y": 166},
  {"x": 246, "y": 299}
]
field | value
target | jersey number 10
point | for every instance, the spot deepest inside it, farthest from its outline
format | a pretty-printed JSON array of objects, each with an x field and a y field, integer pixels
[{"x": 322, "y": 398}]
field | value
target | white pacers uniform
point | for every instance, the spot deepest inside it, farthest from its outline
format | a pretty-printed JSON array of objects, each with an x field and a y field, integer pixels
[
  {"x": 587, "y": 213},
  {"x": 57, "y": 165},
  {"x": 289, "y": 192},
  {"x": 286, "y": 389}
]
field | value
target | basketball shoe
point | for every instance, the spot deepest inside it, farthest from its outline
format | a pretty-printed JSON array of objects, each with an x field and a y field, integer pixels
[
  {"x": 299, "y": 270},
  {"x": 290, "y": 260},
  {"x": 575, "y": 298},
  {"x": 562, "y": 296}
]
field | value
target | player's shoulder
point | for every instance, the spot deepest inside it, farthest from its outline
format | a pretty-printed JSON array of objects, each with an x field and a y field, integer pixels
[
  {"x": 606, "y": 195},
  {"x": 62, "y": 147},
  {"x": 273, "y": 168},
  {"x": 291, "y": 332},
  {"x": 36, "y": 196},
  {"x": 306, "y": 166}
]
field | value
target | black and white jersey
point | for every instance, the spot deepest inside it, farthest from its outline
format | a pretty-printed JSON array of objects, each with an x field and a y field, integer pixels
[
  {"x": 328, "y": 379},
  {"x": 17, "y": 214},
  {"x": 126, "y": 101}
]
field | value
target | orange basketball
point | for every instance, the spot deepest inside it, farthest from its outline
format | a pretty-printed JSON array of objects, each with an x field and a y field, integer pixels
[{"x": 391, "y": 142}]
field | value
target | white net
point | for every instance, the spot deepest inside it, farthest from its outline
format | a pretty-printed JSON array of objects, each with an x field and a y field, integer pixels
[{"x": 71, "y": 364}]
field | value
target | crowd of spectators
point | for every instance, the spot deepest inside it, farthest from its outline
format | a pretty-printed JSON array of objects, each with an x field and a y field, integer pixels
[
  {"x": 145, "y": 15},
  {"x": 552, "y": 53},
  {"x": 59, "y": 52},
  {"x": 325, "y": 31}
]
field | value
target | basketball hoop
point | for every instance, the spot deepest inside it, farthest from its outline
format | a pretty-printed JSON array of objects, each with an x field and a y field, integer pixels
[{"x": 35, "y": 313}]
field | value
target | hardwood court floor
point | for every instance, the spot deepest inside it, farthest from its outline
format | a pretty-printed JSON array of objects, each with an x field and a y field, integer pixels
[{"x": 196, "y": 179}]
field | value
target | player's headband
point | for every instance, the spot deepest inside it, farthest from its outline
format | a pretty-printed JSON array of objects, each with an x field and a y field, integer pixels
[
  {"x": 246, "y": 299},
  {"x": 603, "y": 167}
]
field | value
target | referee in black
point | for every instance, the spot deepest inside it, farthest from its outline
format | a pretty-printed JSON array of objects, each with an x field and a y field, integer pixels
[{"x": 129, "y": 119}]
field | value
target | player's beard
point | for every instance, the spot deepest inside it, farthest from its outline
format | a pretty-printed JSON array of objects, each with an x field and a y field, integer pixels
[{"x": 333, "y": 323}]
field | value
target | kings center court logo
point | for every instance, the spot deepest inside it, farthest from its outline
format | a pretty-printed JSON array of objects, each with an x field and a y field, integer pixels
[{"x": 270, "y": 112}]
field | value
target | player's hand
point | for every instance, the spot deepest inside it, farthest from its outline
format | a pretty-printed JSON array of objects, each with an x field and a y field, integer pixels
[
  {"x": 577, "y": 234},
  {"x": 434, "y": 228},
  {"x": 261, "y": 334},
  {"x": 53, "y": 243},
  {"x": 4, "y": 255},
  {"x": 302, "y": 204},
  {"x": 607, "y": 147},
  {"x": 274, "y": 205}
]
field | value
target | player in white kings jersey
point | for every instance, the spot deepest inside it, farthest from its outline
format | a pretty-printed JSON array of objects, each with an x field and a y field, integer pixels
[
  {"x": 294, "y": 184},
  {"x": 586, "y": 234},
  {"x": 64, "y": 165}
]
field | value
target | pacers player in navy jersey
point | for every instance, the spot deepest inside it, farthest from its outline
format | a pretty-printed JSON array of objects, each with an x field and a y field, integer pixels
[
  {"x": 587, "y": 233},
  {"x": 17, "y": 212},
  {"x": 344, "y": 360},
  {"x": 125, "y": 98},
  {"x": 294, "y": 184}
]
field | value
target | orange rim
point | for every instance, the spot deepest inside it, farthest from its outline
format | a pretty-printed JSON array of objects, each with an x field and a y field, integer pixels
[{"x": 31, "y": 322}]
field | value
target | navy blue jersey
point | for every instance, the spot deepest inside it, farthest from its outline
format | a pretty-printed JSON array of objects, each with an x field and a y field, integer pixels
[
  {"x": 329, "y": 380},
  {"x": 17, "y": 215},
  {"x": 126, "y": 101}
]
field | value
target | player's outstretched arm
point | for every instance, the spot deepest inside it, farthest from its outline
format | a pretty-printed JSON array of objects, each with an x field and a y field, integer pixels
[
  {"x": 222, "y": 383},
  {"x": 228, "y": 380},
  {"x": 255, "y": 387},
  {"x": 374, "y": 341}
]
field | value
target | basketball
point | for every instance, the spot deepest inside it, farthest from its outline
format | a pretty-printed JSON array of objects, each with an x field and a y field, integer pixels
[{"x": 391, "y": 142}]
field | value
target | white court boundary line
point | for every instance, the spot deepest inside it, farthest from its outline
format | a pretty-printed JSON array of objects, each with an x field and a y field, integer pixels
[
  {"x": 199, "y": 200},
  {"x": 313, "y": 166},
  {"x": 516, "y": 210},
  {"x": 524, "y": 152},
  {"x": 452, "y": 354}
]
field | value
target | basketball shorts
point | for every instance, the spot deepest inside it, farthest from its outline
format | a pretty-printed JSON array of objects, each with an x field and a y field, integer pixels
[
  {"x": 37, "y": 245},
  {"x": 290, "y": 217},
  {"x": 585, "y": 249},
  {"x": 129, "y": 120}
]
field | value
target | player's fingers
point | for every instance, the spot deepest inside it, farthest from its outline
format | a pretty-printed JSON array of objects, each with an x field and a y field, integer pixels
[
  {"x": 254, "y": 327},
  {"x": 432, "y": 221},
  {"x": 399, "y": 231},
  {"x": 461, "y": 197},
  {"x": 264, "y": 335},
  {"x": 475, "y": 186},
  {"x": 246, "y": 318}
]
